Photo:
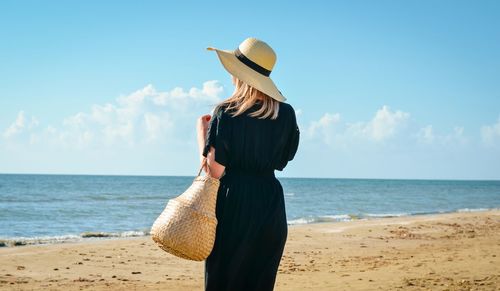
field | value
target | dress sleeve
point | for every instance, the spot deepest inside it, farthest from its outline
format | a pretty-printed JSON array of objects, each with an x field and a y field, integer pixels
[
  {"x": 292, "y": 142},
  {"x": 294, "y": 138},
  {"x": 218, "y": 137}
]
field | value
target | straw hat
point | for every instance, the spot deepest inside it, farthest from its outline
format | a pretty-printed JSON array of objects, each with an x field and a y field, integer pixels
[{"x": 252, "y": 63}]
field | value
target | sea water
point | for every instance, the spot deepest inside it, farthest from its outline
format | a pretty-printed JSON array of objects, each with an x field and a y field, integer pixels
[{"x": 61, "y": 208}]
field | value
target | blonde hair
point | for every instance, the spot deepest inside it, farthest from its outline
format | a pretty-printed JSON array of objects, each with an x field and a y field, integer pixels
[{"x": 245, "y": 96}]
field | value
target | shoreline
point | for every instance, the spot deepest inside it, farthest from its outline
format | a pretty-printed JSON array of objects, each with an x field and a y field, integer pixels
[
  {"x": 452, "y": 251},
  {"x": 102, "y": 236}
]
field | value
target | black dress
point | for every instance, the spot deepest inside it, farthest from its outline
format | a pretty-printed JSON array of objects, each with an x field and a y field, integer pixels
[{"x": 252, "y": 227}]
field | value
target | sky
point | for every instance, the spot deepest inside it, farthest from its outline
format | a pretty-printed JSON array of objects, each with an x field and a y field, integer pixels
[{"x": 381, "y": 89}]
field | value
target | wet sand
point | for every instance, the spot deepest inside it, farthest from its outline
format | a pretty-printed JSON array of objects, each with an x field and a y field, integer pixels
[{"x": 457, "y": 251}]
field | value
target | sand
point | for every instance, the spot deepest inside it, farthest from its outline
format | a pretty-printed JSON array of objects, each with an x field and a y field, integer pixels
[{"x": 457, "y": 251}]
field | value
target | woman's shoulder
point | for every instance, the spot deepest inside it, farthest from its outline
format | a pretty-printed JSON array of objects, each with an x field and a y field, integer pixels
[
  {"x": 220, "y": 110},
  {"x": 286, "y": 105},
  {"x": 288, "y": 108}
]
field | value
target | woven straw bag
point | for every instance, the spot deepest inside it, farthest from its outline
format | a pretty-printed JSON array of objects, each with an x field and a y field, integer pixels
[{"x": 186, "y": 227}]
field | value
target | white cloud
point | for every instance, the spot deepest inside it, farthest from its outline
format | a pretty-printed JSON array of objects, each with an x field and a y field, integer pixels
[
  {"x": 180, "y": 98},
  {"x": 385, "y": 124},
  {"x": 490, "y": 134},
  {"x": 324, "y": 127},
  {"x": 382, "y": 126},
  {"x": 156, "y": 124},
  {"x": 457, "y": 135},
  {"x": 426, "y": 135},
  {"x": 20, "y": 125},
  {"x": 144, "y": 116}
]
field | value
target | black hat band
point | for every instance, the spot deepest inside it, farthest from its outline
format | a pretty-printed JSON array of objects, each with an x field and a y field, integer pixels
[{"x": 254, "y": 66}]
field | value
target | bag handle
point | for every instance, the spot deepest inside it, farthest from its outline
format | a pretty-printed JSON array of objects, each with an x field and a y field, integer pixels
[{"x": 202, "y": 164}]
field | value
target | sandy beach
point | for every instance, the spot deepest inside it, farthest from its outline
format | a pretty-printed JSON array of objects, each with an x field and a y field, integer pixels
[{"x": 456, "y": 251}]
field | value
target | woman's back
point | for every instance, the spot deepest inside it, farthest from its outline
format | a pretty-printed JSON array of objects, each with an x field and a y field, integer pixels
[{"x": 257, "y": 145}]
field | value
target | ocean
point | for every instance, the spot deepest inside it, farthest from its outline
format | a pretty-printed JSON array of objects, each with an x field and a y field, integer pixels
[{"x": 37, "y": 209}]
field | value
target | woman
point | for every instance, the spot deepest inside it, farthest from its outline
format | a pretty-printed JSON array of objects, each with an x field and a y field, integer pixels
[{"x": 249, "y": 135}]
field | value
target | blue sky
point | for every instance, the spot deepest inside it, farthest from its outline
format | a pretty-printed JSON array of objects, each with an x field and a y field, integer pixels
[{"x": 382, "y": 89}]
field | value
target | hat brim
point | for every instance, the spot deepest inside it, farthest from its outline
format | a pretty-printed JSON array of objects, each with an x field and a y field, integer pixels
[{"x": 246, "y": 74}]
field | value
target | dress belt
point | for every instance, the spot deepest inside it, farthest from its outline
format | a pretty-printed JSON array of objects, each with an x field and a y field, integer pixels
[{"x": 246, "y": 172}]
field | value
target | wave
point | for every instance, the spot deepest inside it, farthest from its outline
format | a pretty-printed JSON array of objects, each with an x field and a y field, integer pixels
[
  {"x": 321, "y": 218},
  {"x": 131, "y": 233},
  {"x": 475, "y": 209},
  {"x": 24, "y": 241},
  {"x": 364, "y": 216}
]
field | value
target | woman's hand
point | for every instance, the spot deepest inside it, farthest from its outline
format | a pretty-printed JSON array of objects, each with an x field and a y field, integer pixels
[
  {"x": 202, "y": 124},
  {"x": 201, "y": 129}
]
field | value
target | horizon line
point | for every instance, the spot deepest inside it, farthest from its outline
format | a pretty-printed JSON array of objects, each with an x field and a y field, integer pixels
[{"x": 293, "y": 177}]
